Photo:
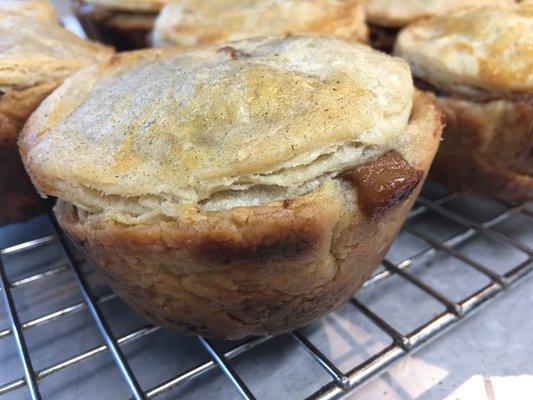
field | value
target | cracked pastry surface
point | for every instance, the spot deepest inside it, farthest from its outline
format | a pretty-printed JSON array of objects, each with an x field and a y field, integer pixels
[
  {"x": 304, "y": 99},
  {"x": 190, "y": 23},
  {"x": 474, "y": 51},
  {"x": 235, "y": 190},
  {"x": 395, "y": 14}
]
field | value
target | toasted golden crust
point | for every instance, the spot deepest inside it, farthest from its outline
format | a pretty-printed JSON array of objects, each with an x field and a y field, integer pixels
[
  {"x": 192, "y": 23},
  {"x": 41, "y": 10},
  {"x": 487, "y": 148},
  {"x": 260, "y": 120},
  {"x": 382, "y": 38},
  {"x": 36, "y": 57},
  {"x": 485, "y": 52},
  {"x": 36, "y": 52},
  {"x": 480, "y": 63},
  {"x": 396, "y": 14},
  {"x": 19, "y": 199},
  {"x": 251, "y": 270}
]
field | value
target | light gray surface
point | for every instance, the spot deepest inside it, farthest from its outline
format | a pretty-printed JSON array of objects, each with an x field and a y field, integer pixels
[
  {"x": 498, "y": 341},
  {"x": 495, "y": 342}
]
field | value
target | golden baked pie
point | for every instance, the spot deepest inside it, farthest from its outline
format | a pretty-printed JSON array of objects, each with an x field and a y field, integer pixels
[
  {"x": 235, "y": 190},
  {"x": 479, "y": 65},
  {"x": 190, "y": 23},
  {"x": 125, "y": 24},
  {"x": 42, "y": 10},
  {"x": 386, "y": 17},
  {"x": 35, "y": 57}
]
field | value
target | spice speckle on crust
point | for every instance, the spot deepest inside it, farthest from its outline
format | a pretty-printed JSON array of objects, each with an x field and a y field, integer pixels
[{"x": 264, "y": 120}]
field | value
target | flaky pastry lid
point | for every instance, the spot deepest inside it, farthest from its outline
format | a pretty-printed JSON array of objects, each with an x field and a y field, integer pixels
[
  {"x": 34, "y": 52},
  {"x": 185, "y": 125},
  {"x": 132, "y": 5},
  {"x": 395, "y": 14},
  {"x": 473, "y": 51}
]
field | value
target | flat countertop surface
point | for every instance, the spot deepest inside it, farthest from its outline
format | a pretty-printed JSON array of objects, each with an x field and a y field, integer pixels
[
  {"x": 496, "y": 342},
  {"x": 486, "y": 356}
]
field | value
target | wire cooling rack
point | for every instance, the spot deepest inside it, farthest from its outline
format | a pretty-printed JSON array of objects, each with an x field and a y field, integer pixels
[{"x": 473, "y": 236}]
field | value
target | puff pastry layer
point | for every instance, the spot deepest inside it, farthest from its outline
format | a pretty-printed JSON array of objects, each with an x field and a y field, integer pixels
[
  {"x": 395, "y": 14},
  {"x": 199, "y": 22},
  {"x": 235, "y": 191},
  {"x": 35, "y": 57}
]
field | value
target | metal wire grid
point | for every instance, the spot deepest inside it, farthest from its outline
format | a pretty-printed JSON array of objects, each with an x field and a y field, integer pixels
[{"x": 341, "y": 383}]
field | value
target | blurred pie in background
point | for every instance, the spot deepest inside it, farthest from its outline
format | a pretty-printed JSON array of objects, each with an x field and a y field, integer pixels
[{"x": 190, "y": 23}]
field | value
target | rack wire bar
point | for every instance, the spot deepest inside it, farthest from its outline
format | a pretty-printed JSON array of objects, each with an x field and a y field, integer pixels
[
  {"x": 131, "y": 337},
  {"x": 205, "y": 367},
  {"x": 420, "y": 209},
  {"x": 441, "y": 298},
  {"x": 452, "y": 241},
  {"x": 19, "y": 248},
  {"x": 99, "y": 319},
  {"x": 19, "y": 338},
  {"x": 50, "y": 273},
  {"x": 327, "y": 364},
  {"x": 220, "y": 359},
  {"x": 341, "y": 383},
  {"x": 472, "y": 224}
]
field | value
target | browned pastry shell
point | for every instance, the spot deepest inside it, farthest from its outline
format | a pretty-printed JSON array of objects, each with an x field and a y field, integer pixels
[
  {"x": 252, "y": 270},
  {"x": 37, "y": 55},
  {"x": 487, "y": 148},
  {"x": 19, "y": 199},
  {"x": 238, "y": 189},
  {"x": 478, "y": 64},
  {"x": 382, "y": 38},
  {"x": 192, "y": 23}
]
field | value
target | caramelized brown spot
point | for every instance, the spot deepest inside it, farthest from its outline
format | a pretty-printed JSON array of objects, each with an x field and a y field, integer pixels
[
  {"x": 233, "y": 52},
  {"x": 283, "y": 245},
  {"x": 383, "y": 183},
  {"x": 287, "y": 203}
]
